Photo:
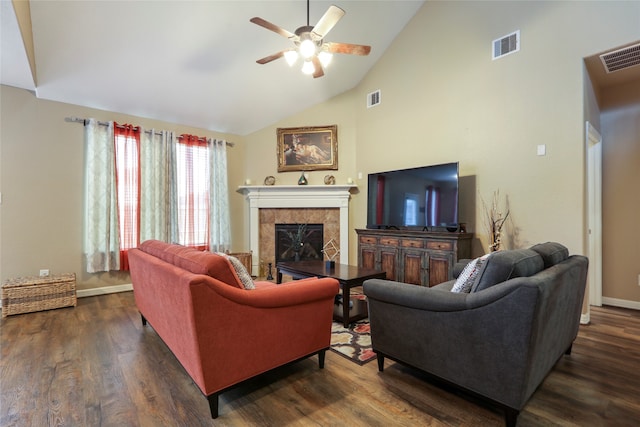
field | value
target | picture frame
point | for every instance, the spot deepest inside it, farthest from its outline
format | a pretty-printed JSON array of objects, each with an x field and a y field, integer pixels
[{"x": 308, "y": 148}]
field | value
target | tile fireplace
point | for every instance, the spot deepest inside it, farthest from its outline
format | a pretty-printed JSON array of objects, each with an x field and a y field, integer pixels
[{"x": 292, "y": 204}]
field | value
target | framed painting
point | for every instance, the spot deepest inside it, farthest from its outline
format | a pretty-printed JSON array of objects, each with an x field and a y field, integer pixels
[{"x": 308, "y": 148}]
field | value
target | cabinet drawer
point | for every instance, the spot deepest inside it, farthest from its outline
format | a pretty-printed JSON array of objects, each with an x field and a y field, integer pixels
[
  {"x": 439, "y": 245},
  {"x": 412, "y": 243},
  {"x": 368, "y": 239},
  {"x": 387, "y": 241}
]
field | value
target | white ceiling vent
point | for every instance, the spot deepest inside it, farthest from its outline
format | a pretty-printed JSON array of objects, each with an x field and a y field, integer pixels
[
  {"x": 622, "y": 58},
  {"x": 373, "y": 99},
  {"x": 506, "y": 45}
]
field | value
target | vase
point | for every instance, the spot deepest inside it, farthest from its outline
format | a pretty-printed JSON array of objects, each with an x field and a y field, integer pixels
[{"x": 302, "y": 180}]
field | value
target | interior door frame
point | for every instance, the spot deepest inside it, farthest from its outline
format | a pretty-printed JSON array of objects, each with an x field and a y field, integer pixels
[{"x": 594, "y": 213}]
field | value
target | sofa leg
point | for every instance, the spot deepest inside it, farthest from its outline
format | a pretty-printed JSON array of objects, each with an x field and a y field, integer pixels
[
  {"x": 213, "y": 405},
  {"x": 511, "y": 417},
  {"x": 321, "y": 355},
  {"x": 380, "y": 358},
  {"x": 144, "y": 320},
  {"x": 568, "y": 351}
]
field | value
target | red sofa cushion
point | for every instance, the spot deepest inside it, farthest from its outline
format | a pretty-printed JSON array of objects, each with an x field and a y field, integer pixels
[{"x": 193, "y": 260}]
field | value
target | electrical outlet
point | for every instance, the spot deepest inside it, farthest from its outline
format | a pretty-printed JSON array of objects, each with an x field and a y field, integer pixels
[
  {"x": 44, "y": 273},
  {"x": 638, "y": 279}
]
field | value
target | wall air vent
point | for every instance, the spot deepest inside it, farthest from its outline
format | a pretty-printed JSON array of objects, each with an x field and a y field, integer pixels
[
  {"x": 622, "y": 58},
  {"x": 373, "y": 99},
  {"x": 505, "y": 45}
]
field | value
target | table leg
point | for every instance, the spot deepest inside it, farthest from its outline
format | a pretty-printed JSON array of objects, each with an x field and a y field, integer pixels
[{"x": 346, "y": 299}]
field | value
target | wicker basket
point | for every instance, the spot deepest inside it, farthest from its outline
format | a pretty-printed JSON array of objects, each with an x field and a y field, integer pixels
[{"x": 28, "y": 294}]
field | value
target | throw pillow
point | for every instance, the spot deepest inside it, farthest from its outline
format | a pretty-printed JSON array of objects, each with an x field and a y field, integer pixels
[
  {"x": 465, "y": 281},
  {"x": 241, "y": 271}
]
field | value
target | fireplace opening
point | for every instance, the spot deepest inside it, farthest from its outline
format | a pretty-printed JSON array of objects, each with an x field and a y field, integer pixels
[{"x": 299, "y": 242}]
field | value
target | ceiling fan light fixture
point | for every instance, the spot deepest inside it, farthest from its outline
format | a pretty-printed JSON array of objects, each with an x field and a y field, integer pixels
[
  {"x": 308, "y": 68},
  {"x": 291, "y": 56},
  {"x": 307, "y": 48},
  {"x": 325, "y": 58},
  {"x": 309, "y": 43}
]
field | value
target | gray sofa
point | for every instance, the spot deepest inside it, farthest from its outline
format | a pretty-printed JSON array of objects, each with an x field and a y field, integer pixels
[{"x": 500, "y": 340}]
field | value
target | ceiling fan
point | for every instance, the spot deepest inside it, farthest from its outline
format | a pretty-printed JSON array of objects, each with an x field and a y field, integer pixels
[{"x": 309, "y": 43}]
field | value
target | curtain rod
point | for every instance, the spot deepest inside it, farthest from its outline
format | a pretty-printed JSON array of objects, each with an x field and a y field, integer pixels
[{"x": 83, "y": 121}]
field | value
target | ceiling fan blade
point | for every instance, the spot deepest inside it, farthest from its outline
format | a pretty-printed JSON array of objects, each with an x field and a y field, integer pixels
[
  {"x": 319, "y": 72},
  {"x": 270, "y": 58},
  {"x": 347, "y": 48},
  {"x": 272, "y": 27},
  {"x": 328, "y": 21}
]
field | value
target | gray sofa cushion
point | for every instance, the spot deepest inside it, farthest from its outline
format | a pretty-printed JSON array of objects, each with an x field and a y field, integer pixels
[
  {"x": 504, "y": 265},
  {"x": 551, "y": 253}
]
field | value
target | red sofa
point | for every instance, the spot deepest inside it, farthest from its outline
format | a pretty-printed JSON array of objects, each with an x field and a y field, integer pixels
[{"x": 220, "y": 332}]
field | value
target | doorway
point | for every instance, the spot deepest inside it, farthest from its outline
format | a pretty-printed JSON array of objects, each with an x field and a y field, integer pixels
[{"x": 594, "y": 213}]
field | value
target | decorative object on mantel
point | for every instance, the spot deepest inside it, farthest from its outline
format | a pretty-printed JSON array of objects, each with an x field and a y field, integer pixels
[
  {"x": 308, "y": 148},
  {"x": 331, "y": 251},
  {"x": 494, "y": 220},
  {"x": 302, "y": 180},
  {"x": 270, "y": 180},
  {"x": 329, "y": 179}
]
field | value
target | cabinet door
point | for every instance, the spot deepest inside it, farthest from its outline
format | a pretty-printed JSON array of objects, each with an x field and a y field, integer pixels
[
  {"x": 439, "y": 270},
  {"x": 389, "y": 262},
  {"x": 413, "y": 263},
  {"x": 368, "y": 257}
]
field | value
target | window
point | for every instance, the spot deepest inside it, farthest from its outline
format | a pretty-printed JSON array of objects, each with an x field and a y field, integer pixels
[
  {"x": 192, "y": 172},
  {"x": 410, "y": 209},
  {"x": 192, "y": 186},
  {"x": 151, "y": 185}
]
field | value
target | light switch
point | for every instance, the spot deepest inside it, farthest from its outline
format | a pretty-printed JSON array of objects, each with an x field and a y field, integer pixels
[{"x": 542, "y": 150}]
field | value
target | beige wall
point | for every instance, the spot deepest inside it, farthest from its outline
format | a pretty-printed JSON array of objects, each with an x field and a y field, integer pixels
[
  {"x": 444, "y": 99},
  {"x": 41, "y": 179},
  {"x": 620, "y": 194},
  {"x": 262, "y": 155}
]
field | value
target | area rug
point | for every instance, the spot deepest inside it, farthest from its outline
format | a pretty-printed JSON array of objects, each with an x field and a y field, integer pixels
[{"x": 353, "y": 342}]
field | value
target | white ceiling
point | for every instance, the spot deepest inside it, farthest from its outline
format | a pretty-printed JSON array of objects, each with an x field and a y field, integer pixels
[{"x": 189, "y": 62}]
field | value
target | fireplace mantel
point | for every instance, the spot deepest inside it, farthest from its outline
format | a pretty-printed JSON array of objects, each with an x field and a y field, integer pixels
[{"x": 292, "y": 197}]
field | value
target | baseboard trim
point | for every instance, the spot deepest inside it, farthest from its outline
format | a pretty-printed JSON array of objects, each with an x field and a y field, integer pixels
[
  {"x": 622, "y": 303},
  {"x": 585, "y": 318},
  {"x": 81, "y": 293}
]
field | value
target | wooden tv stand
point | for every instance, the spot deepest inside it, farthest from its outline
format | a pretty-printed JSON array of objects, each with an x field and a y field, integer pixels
[{"x": 417, "y": 257}]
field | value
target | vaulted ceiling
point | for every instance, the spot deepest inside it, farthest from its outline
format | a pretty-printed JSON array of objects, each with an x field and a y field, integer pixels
[{"x": 187, "y": 62}]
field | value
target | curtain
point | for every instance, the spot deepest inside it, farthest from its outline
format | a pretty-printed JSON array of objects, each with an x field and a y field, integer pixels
[
  {"x": 101, "y": 240},
  {"x": 158, "y": 203},
  {"x": 219, "y": 217},
  {"x": 127, "y": 143}
]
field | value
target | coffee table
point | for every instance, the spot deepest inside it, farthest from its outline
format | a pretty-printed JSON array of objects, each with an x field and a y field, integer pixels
[{"x": 348, "y": 276}]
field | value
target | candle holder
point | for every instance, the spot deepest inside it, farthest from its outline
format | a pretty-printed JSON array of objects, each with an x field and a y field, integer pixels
[{"x": 269, "y": 275}]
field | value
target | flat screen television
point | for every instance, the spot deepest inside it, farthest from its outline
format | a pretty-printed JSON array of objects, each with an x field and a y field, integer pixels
[{"x": 423, "y": 198}]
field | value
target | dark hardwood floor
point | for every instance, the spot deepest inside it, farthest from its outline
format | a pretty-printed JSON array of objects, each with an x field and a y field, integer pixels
[{"x": 95, "y": 365}]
